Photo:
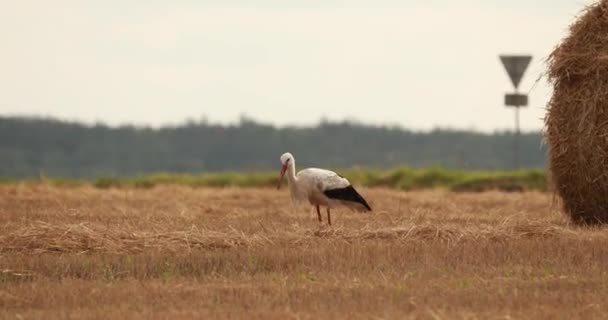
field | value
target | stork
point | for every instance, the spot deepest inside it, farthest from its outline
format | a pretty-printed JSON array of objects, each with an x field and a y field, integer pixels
[{"x": 320, "y": 187}]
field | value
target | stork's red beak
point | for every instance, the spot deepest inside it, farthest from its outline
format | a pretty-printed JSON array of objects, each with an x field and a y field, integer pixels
[{"x": 283, "y": 170}]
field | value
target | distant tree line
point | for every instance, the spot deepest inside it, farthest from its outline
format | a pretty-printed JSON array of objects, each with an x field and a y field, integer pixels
[{"x": 33, "y": 146}]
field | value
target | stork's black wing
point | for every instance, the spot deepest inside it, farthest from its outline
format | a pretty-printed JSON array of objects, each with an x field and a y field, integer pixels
[{"x": 347, "y": 194}]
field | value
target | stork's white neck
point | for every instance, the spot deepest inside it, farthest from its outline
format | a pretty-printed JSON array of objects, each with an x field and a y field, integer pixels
[
  {"x": 292, "y": 179},
  {"x": 291, "y": 172}
]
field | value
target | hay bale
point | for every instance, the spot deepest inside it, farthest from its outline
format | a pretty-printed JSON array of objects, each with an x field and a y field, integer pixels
[{"x": 577, "y": 117}]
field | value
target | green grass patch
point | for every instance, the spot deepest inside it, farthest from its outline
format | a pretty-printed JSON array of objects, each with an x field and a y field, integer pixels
[{"x": 402, "y": 178}]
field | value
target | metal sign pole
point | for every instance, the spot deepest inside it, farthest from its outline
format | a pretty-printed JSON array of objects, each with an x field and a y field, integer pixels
[{"x": 516, "y": 138}]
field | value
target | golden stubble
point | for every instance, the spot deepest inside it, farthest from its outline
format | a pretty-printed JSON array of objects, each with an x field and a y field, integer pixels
[{"x": 240, "y": 253}]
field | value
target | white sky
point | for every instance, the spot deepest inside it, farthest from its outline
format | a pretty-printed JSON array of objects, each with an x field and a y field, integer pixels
[{"x": 420, "y": 64}]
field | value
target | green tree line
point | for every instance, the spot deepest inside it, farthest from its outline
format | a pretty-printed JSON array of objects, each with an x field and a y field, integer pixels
[{"x": 33, "y": 146}]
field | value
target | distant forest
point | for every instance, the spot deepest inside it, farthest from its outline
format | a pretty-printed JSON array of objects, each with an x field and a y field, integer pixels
[{"x": 33, "y": 146}]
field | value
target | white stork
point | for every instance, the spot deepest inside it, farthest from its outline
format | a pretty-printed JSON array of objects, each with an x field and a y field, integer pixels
[{"x": 320, "y": 187}]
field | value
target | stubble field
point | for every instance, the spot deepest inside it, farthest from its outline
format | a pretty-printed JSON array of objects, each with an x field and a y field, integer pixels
[{"x": 178, "y": 252}]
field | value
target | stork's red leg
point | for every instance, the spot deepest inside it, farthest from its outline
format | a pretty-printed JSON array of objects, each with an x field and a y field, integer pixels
[
  {"x": 319, "y": 214},
  {"x": 328, "y": 217}
]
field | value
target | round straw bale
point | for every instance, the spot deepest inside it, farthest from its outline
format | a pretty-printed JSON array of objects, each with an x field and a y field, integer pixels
[{"x": 577, "y": 117}]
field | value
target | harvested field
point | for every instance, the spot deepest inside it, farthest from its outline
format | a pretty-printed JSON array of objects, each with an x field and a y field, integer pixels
[{"x": 177, "y": 252}]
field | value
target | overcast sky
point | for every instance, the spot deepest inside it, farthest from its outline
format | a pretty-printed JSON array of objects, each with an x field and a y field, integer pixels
[{"x": 417, "y": 63}]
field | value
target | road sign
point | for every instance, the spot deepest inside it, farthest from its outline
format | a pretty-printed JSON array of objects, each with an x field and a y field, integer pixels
[
  {"x": 516, "y": 67},
  {"x": 516, "y": 100}
]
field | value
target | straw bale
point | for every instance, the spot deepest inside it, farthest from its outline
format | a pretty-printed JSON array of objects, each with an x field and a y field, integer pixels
[{"x": 577, "y": 117}]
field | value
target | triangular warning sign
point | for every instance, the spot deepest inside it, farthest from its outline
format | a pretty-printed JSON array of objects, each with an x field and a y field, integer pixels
[{"x": 516, "y": 67}]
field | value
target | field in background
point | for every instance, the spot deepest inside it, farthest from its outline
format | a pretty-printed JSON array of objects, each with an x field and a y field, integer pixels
[
  {"x": 179, "y": 252},
  {"x": 403, "y": 178}
]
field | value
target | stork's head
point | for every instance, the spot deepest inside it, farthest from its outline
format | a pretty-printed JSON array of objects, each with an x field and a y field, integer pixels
[{"x": 286, "y": 161}]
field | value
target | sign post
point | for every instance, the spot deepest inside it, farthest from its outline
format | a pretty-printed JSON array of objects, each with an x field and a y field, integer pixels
[{"x": 516, "y": 67}]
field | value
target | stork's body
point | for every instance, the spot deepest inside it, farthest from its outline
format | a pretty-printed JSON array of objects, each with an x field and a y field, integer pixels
[{"x": 320, "y": 187}]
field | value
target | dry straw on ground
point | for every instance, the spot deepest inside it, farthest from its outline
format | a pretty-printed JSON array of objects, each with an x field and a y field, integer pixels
[
  {"x": 83, "y": 238},
  {"x": 577, "y": 118},
  {"x": 183, "y": 253}
]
